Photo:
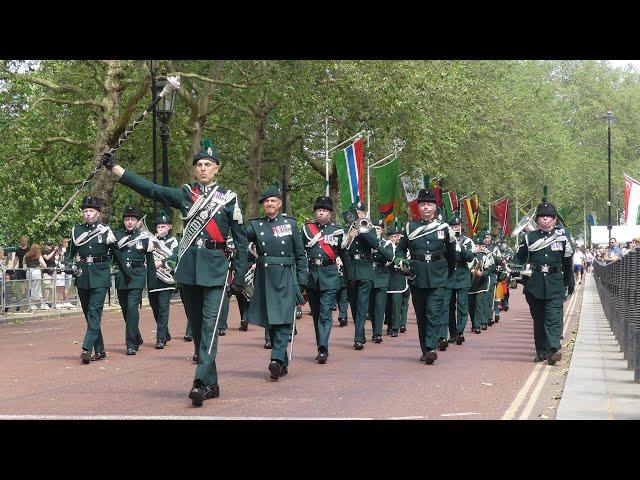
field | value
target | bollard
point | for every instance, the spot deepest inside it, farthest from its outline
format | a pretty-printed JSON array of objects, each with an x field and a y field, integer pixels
[{"x": 629, "y": 350}]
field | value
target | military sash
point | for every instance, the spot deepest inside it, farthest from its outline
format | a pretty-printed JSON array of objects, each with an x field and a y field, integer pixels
[
  {"x": 201, "y": 212},
  {"x": 541, "y": 244},
  {"x": 318, "y": 238},
  {"x": 423, "y": 230},
  {"x": 88, "y": 236}
]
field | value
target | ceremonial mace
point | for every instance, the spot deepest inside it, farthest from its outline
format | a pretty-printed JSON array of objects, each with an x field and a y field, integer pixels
[{"x": 173, "y": 83}]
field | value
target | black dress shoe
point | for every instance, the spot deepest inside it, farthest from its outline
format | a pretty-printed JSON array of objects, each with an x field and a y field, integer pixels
[
  {"x": 373, "y": 338},
  {"x": 200, "y": 392},
  {"x": 394, "y": 333},
  {"x": 403, "y": 329},
  {"x": 389, "y": 330},
  {"x": 490, "y": 322},
  {"x": 343, "y": 322},
  {"x": 442, "y": 344},
  {"x": 539, "y": 358},
  {"x": 160, "y": 344},
  {"x": 431, "y": 356},
  {"x": 267, "y": 345},
  {"x": 195, "y": 358},
  {"x": 275, "y": 369},
  {"x": 506, "y": 309},
  {"x": 483, "y": 326},
  {"x": 377, "y": 339},
  {"x": 168, "y": 339},
  {"x": 188, "y": 338},
  {"x": 222, "y": 332},
  {"x": 322, "y": 357},
  {"x": 459, "y": 339},
  {"x": 423, "y": 357},
  {"x": 131, "y": 351},
  {"x": 452, "y": 339},
  {"x": 244, "y": 326},
  {"x": 358, "y": 345},
  {"x": 285, "y": 370},
  {"x": 85, "y": 356},
  {"x": 335, "y": 307},
  {"x": 98, "y": 356},
  {"x": 496, "y": 319},
  {"x": 554, "y": 356},
  {"x": 475, "y": 330}
]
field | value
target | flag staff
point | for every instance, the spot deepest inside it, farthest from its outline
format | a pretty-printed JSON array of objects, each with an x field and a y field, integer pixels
[{"x": 326, "y": 150}]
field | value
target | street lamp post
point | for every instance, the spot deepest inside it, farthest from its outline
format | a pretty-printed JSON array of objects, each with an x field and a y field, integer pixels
[
  {"x": 609, "y": 118},
  {"x": 153, "y": 66},
  {"x": 165, "y": 111}
]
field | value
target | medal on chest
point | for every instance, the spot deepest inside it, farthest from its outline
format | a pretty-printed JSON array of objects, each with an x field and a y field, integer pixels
[
  {"x": 556, "y": 246},
  {"x": 440, "y": 234},
  {"x": 100, "y": 238},
  {"x": 139, "y": 245},
  {"x": 331, "y": 240},
  {"x": 281, "y": 230}
]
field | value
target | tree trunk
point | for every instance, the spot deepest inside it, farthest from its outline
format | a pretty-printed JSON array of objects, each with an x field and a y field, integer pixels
[
  {"x": 255, "y": 160},
  {"x": 104, "y": 182}
]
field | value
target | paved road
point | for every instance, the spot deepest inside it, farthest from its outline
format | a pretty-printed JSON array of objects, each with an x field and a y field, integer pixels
[{"x": 42, "y": 374}]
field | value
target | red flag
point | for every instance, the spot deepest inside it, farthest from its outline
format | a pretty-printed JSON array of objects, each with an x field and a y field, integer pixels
[
  {"x": 500, "y": 213},
  {"x": 437, "y": 190}
]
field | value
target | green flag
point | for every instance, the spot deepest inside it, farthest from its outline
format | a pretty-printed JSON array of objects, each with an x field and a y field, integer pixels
[{"x": 386, "y": 177}]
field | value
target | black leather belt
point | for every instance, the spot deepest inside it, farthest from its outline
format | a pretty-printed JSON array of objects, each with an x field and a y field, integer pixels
[
  {"x": 546, "y": 269},
  {"x": 429, "y": 257},
  {"x": 360, "y": 256},
  {"x": 321, "y": 262},
  {"x": 210, "y": 244},
  {"x": 91, "y": 259}
]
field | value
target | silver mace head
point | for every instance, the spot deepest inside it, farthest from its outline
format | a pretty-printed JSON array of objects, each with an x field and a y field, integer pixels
[{"x": 173, "y": 83}]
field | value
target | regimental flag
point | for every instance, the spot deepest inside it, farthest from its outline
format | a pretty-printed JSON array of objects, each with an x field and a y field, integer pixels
[
  {"x": 350, "y": 168},
  {"x": 631, "y": 200},
  {"x": 500, "y": 216},
  {"x": 386, "y": 177},
  {"x": 450, "y": 202},
  {"x": 471, "y": 217},
  {"x": 412, "y": 185}
]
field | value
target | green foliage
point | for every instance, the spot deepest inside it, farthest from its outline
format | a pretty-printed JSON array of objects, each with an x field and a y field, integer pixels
[{"x": 495, "y": 127}]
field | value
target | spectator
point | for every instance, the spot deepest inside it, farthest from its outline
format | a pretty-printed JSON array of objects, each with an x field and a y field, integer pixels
[
  {"x": 613, "y": 252},
  {"x": 34, "y": 261},
  {"x": 61, "y": 277},
  {"x": 67, "y": 276},
  {"x": 48, "y": 273},
  {"x": 578, "y": 264},
  {"x": 625, "y": 249},
  {"x": 20, "y": 276},
  {"x": 589, "y": 260}
]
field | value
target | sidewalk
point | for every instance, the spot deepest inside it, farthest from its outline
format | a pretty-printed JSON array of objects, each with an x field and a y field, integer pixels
[{"x": 599, "y": 386}]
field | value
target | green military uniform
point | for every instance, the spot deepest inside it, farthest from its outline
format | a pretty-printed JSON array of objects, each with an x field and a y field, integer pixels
[
  {"x": 494, "y": 267},
  {"x": 550, "y": 255},
  {"x": 397, "y": 291},
  {"x": 479, "y": 289},
  {"x": 135, "y": 248},
  {"x": 342, "y": 297},
  {"x": 280, "y": 273},
  {"x": 456, "y": 303},
  {"x": 210, "y": 213},
  {"x": 432, "y": 244},
  {"x": 360, "y": 274},
  {"x": 93, "y": 243},
  {"x": 507, "y": 256},
  {"x": 383, "y": 258},
  {"x": 160, "y": 282},
  {"x": 323, "y": 244}
]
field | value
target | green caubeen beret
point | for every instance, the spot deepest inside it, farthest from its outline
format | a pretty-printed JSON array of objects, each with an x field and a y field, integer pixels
[{"x": 207, "y": 151}]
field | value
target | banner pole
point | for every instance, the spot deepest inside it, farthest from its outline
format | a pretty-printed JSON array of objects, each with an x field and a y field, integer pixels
[{"x": 326, "y": 149}]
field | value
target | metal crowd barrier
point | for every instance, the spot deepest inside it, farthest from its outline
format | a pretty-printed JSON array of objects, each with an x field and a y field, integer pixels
[
  {"x": 32, "y": 294},
  {"x": 619, "y": 292}
]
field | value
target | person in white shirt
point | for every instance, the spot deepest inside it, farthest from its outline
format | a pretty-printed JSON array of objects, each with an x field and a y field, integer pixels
[
  {"x": 589, "y": 260},
  {"x": 578, "y": 264}
]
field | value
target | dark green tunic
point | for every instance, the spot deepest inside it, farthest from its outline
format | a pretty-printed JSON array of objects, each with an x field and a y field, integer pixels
[{"x": 551, "y": 265}]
